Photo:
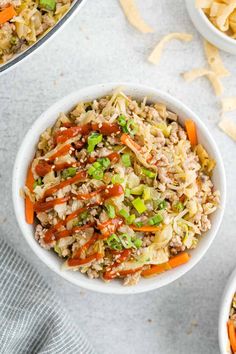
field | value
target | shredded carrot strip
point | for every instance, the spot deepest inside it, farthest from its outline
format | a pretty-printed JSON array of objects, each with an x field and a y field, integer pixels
[
  {"x": 191, "y": 131},
  {"x": 7, "y": 14},
  {"x": 179, "y": 259},
  {"x": 232, "y": 335},
  {"x": 145, "y": 228},
  {"x": 172, "y": 263},
  {"x": 155, "y": 269},
  {"x": 126, "y": 139},
  {"x": 29, "y": 208}
]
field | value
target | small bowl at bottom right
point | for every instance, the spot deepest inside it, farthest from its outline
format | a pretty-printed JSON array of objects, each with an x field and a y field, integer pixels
[{"x": 224, "y": 315}]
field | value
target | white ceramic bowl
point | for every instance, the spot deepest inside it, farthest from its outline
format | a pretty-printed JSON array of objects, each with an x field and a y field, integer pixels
[
  {"x": 226, "y": 301},
  {"x": 26, "y": 154},
  {"x": 17, "y": 59},
  {"x": 208, "y": 30}
]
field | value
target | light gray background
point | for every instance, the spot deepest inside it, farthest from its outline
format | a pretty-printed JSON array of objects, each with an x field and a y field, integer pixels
[{"x": 100, "y": 46}]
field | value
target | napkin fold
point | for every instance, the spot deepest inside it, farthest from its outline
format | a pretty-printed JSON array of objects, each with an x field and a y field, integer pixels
[{"x": 32, "y": 321}]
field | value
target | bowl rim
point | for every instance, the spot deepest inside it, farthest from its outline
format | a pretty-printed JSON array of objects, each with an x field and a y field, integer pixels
[
  {"x": 109, "y": 87},
  {"x": 226, "y": 300},
  {"x": 200, "y": 13},
  {"x": 16, "y": 59}
]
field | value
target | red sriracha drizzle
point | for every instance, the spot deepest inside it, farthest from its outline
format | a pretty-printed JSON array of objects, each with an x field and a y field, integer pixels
[
  {"x": 113, "y": 191},
  {"x": 109, "y": 227},
  {"x": 42, "y": 168},
  {"x": 122, "y": 257},
  {"x": 62, "y": 135},
  {"x": 104, "y": 128},
  {"x": 80, "y": 176},
  {"x": 45, "y": 166}
]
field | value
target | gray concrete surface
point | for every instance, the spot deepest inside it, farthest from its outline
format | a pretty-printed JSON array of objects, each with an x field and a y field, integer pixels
[{"x": 99, "y": 46}]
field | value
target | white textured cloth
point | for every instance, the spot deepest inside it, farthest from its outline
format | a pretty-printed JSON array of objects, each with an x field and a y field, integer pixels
[{"x": 31, "y": 319}]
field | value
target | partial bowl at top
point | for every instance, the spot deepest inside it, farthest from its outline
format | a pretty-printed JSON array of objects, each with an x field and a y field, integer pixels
[
  {"x": 226, "y": 302},
  {"x": 208, "y": 30},
  {"x": 9, "y": 37},
  {"x": 26, "y": 154}
]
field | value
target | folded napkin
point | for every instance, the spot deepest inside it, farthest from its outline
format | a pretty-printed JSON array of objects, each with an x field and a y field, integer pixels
[{"x": 31, "y": 319}]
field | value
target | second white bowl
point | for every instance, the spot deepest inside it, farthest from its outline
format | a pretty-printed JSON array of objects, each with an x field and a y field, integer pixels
[
  {"x": 226, "y": 301},
  {"x": 208, "y": 30},
  {"x": 26, "y": 154}
]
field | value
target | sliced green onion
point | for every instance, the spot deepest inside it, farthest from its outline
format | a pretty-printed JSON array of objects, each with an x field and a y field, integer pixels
[
  {"x": 126, "y": 160},
  {"x": 48, "y": 4},
  {"x": 14, "y": 40},
  {"x": 104, "y": 162},
  {"x": 156, "y": 219},
  {"x": 96, "y": 165},
  {"x": 93, "y": 140},
  {"x": 139, "y": 205},
  {"x": 128, "y": 218},
  {"x": 116, "y": 179},
  {"x": 124, "y": 213},
  {"x": 110, "y": 211},
  {"x": 91, "y": 170},
  {"x": 114, "y": 243},
  {"x": 125, "y": 239},
  {"x": 148, "y": 173},
  {"x": 122, "y": 120},
  {"x": 127, "y": 192},
  {"x": 131, "y": 219},
  {"x": 76, "y": 222},
  {"x": 96, "y": 171},
  {"x": 84, "y": 215},
  {"x": 38, "y": 182},
  {"x": 132, "y": 127},
  {"x": 162, "y": 204},
  {"x": 69, "y": 172},
  {"x": 137, "y": 242},
  {"x": 178, "y": 206},
  {"x": 98, "y": 174}
]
